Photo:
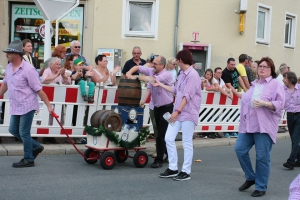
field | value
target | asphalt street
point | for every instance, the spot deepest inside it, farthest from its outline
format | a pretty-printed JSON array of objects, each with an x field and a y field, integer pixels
[{"x": 218, "y": 176}]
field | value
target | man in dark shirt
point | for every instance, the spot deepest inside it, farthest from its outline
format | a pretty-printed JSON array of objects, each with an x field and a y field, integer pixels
[
  {"x": 231, "y": 77},
  {"x": 136, "y": 60}
]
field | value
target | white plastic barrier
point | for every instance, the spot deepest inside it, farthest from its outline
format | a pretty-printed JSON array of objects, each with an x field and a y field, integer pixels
[{"x": 217, "y": 113}]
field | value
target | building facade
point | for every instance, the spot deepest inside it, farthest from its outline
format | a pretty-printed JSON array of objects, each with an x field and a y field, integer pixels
[{"x": 269, "y": 28}]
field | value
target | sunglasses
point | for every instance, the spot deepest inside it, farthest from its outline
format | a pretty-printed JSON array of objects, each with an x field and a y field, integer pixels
[
  {"x": 153, "y": 57},
  {"x": 77, "y": 47}
]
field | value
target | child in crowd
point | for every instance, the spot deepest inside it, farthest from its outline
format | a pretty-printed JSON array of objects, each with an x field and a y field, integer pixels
[
  {"x": 81, "y": 76},
  {"x": 207, "y": 80}
]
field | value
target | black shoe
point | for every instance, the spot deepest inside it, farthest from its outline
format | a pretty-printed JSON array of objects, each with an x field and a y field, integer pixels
[
  {"x": 168, "y": 173},
  {"x": 288, "y": 165},
  {"x": 182, "y": 176},
  {"x": 246, "y": 185},
  {"x": 297, "y": 164},
  {"x": 37, "y": 151},
  {"x": 156, "y": 165},
  {"x": 258, "y": 193},
  {"x": 23, "y": 163}
]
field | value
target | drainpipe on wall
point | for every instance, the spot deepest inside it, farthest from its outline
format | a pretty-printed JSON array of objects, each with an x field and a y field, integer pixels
[
  {"x": 3, "y": 13},
  {"x": 176, "y": 27}
]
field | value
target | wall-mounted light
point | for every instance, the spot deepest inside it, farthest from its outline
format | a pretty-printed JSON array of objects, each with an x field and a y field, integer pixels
[
  {"x": 242, "y": 10},
  {"x": 242, "y": 23}
]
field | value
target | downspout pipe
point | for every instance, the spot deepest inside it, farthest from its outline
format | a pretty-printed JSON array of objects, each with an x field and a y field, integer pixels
[{"x": 176, "y": 27}]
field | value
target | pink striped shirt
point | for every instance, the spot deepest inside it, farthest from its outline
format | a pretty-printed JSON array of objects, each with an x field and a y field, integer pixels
[
  {"x": 295, "y": 189},
  {"x": 292, "y": 102},
  {"x": 58, "y": 79},
  {"x": 189, "y": 86},
  {"x": 23, "y": 85},
  {"x": 159, "y": 96},
  {"x": 262, "y": 119}
]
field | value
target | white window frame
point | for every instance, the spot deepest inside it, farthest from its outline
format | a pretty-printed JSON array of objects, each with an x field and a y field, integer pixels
[
  {"x": 292, "y": 38},
  {"x": 267, "y": 29},
  {"x": 126, "y": 20}
]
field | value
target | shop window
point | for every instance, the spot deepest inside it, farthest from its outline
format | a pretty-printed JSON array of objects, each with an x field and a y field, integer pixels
[
  {"x": 263, "y": 24},
  {"x": 27, "y": 23},
  {"x": 290, "y": 30},
  {"x": 140, "y": 18}
]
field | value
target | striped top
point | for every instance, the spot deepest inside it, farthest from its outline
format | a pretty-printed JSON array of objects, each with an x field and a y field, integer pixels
[
  {"x": 292, "y": 100},
  {"x": 23, "y": 85},
  {"x": 262, "y": 119},
  {"x": 188, "y": 86},
  {"x": 160, "y": 96},
  {"x": 295, "y": 189}
]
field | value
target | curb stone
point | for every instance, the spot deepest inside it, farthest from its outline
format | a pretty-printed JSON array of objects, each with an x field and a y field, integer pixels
[{"x": 67, "y": 149}]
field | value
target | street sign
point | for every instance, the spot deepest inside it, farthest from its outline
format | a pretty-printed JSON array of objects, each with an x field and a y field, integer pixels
[{"x": 42, "y": 31}]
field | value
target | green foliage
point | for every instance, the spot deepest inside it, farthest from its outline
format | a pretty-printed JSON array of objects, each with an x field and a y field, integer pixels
[{"x": 114, "y": 137}]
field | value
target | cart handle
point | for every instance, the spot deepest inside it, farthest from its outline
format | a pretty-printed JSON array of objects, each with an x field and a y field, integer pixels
[{"x": 54, "y": 115}]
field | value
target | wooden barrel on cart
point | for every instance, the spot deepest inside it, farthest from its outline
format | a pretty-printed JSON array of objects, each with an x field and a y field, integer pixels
[
  {"x": 129, "y": 92},
  {"x": 108, "y": 119}
]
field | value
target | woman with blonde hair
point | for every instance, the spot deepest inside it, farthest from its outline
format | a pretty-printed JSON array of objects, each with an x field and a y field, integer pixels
[{"x": 171, "y": 67}]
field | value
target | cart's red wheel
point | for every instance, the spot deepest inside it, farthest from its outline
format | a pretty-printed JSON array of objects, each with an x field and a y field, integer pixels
[
  {"x": 140, "y": 159},
  {"x": 108, "y": 160},
  {"x": 90, "y": 153},
  {"x": 121, "y": 155}
]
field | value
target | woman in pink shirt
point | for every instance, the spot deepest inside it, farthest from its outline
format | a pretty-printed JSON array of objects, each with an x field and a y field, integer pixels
[
  {"x": 55, "y": 74},
  {"x": 185, "y": 116},
  {"x": 261, "y": 110}
]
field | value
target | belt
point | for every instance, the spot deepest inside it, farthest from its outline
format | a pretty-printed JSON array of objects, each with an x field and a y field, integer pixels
[
  {"x": 293, "y": 113},
  {"x": 163, "y": 106}
]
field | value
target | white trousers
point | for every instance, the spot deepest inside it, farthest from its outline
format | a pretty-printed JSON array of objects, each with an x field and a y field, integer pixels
[{"x": 187, "y": 128}]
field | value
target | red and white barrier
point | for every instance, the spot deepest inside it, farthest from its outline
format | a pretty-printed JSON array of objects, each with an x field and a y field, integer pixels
[{"x": 217, "y": 114}]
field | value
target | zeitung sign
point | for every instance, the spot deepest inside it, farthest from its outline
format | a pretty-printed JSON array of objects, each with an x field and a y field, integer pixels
[{"x": 26, "y": 20}]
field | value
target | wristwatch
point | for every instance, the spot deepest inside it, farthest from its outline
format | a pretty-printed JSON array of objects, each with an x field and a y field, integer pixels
[{"x": 178, "y": 111}]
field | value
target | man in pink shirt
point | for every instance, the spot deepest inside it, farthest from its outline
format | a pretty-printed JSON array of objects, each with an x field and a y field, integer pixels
[
  {"x": 292, "y": 107},
  {"x": 22, "y": 83},
  {"x": 162, "y": 101}
]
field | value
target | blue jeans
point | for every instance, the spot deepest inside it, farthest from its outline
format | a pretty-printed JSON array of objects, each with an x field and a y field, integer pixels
[
  {"x": 263, "y": 145},
  {"x": 19, "y": 127},
  {"x": 293, "y": 122}
]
